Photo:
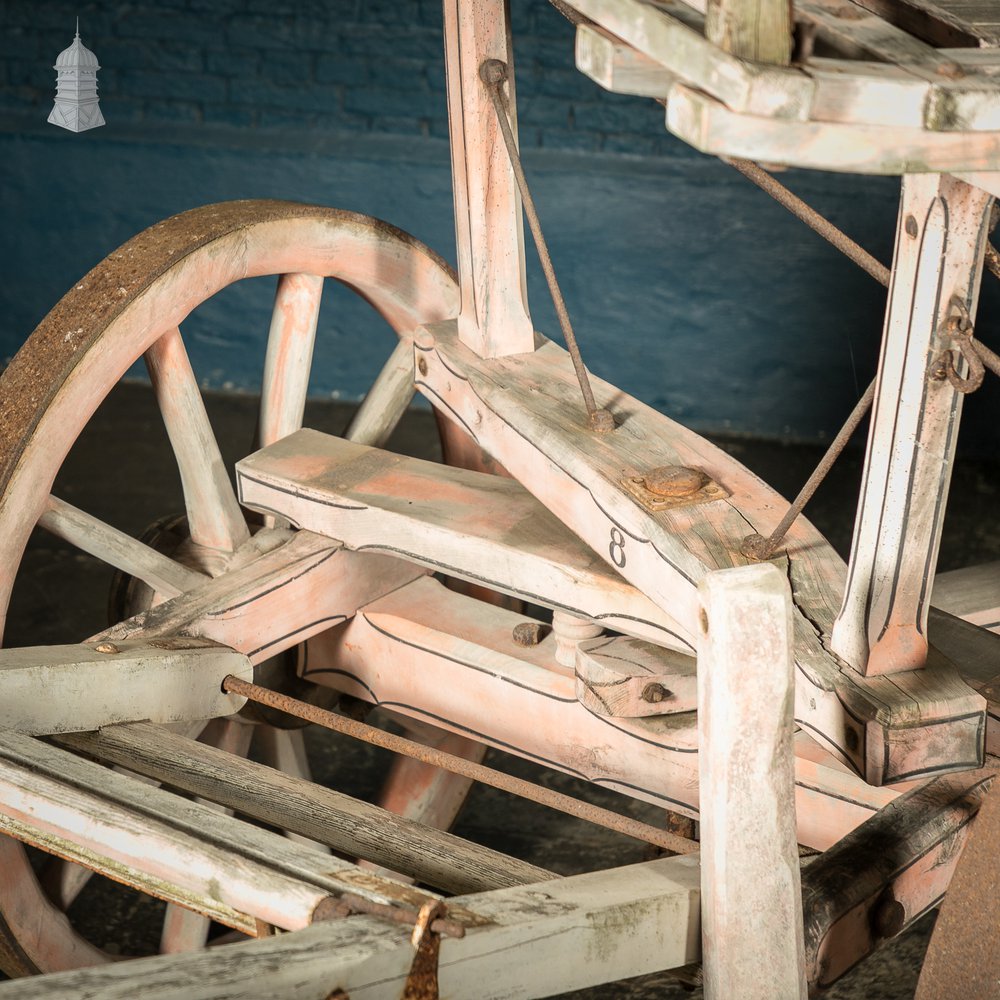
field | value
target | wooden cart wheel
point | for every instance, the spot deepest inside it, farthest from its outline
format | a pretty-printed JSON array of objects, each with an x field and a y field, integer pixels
[{"x": 131, "y": 305}]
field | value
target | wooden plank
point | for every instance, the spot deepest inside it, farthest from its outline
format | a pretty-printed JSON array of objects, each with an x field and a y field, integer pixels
[
  {"x": 63, "y": 689},
  {"x": 930, "y": 21},
  {"x": 870, "y": 149},
  {"x": 178, "y": 850},
  {"x": 972, "y": 593},
  {"x": 489, "y": 233},
  {"x": 114, "y": 547},
  {"x": 348, "y": 825},
  {"x": 748, "y": 846},
  {"x": 303, "y": 586},
  {"x": 486, "y": 529},
  {"x": 760, "y": 30},
  {"x": 609, "y": 925},
  {"x": 457, "y": 665},
  {"x": 523, "y": 410},
  {"x": 631, "y": 678},
  {"x": 661, "y": 30},
  {"x": 214, "y": 517},
  {"x": 882, "y": 627},
  {"x": 860, "y": 33}
]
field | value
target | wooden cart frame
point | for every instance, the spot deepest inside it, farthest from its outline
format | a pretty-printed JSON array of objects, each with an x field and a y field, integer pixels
[{"x": 819, "y": 714}]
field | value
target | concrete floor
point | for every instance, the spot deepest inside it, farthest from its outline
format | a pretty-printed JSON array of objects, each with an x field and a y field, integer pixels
[{"x": 121, "y": 470}]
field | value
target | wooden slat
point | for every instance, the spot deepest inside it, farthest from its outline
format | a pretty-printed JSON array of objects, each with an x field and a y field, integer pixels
[
  {"x": 179, "y": 850},
  {"x": 972, "y": 593},
  {"x": 348, "y": 825},
  {"x": 486, "y": 529},
  {"x": 606, "y": 925},
  {"x": 663, "y": 31}
]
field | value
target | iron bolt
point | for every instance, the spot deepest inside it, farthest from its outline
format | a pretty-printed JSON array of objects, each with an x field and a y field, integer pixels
[
  {"x": 528, "y": 633},
  {"x": 107, "y": 647},
  {"x": 654, "y": 693},
  {"x": 674, "y": 481}
]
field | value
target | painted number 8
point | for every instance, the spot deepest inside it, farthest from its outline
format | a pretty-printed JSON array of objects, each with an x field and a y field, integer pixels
[{"x": 617, "y": 548}]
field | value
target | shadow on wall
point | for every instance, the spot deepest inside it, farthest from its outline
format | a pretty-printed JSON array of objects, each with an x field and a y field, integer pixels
[{"x": 688, "y": 287}]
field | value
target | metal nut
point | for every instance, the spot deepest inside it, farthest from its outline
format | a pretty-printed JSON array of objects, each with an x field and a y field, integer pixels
[
  {"x": 654, "y": 693},
  {"x": 528, "y": 633},
  {"x": 674, "y": 481}
]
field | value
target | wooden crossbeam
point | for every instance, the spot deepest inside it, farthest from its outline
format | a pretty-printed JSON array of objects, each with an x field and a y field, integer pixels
[
  {"x": 62, "y": 689},
  {"x": 486, "y": 529}
]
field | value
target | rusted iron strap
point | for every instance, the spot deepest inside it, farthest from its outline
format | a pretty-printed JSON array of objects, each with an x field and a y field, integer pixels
[
  {"x": 422, "y": 982},
  {"x": 459, "y": 765},
  {"x": 493, "y": 73},
  {"x": 348, "y": 903}
]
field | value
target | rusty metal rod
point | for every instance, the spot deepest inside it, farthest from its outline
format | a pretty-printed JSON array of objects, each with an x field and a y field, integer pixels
[
  {"x": 493, "y": 73},
  {"x": 757, "y": 546},
  {"x": 459, "y": 765},
  {"x": 837, "y": 237}
]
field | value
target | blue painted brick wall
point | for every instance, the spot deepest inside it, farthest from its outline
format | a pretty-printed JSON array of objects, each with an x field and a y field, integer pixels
[{"x": 349, "y": 65}]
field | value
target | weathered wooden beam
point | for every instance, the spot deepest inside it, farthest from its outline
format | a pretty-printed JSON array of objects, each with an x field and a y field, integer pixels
[
  {"x": 489, "y": 233},
  {"x": 523, "y": 408},
  {"x": 759, "y": 30},
  {"x": 711, "y": 127},
  {"x": 631, "y": 678},
  {"x": 63, "y": 689},
  {"x": 607, "y": 926},
  {"x": 486, "y": 529},
  {"x": 751, "y": 913},
  {"x": 304, "y": 585},
  {"x": 348, "y": 825},
  {"x": 886, "y": 874}
]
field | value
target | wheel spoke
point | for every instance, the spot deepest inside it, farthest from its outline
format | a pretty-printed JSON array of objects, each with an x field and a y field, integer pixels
[
  {"x": 289, "y": 355},
  {"x": 117, "y": 549},
  {"x": 63, "y": 881},
  {"x": 214, "y": 516},
  {"x": 183, "y": 930},
  {"x": 386, "y": 401}
]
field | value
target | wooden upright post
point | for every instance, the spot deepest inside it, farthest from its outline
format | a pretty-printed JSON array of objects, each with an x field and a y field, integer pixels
[
  {"x": 494, "y": 318},
  {"x": 882, "y": 626},
  {"x": 760, "y": 30},
  {"x": 751, "y": 908}
]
